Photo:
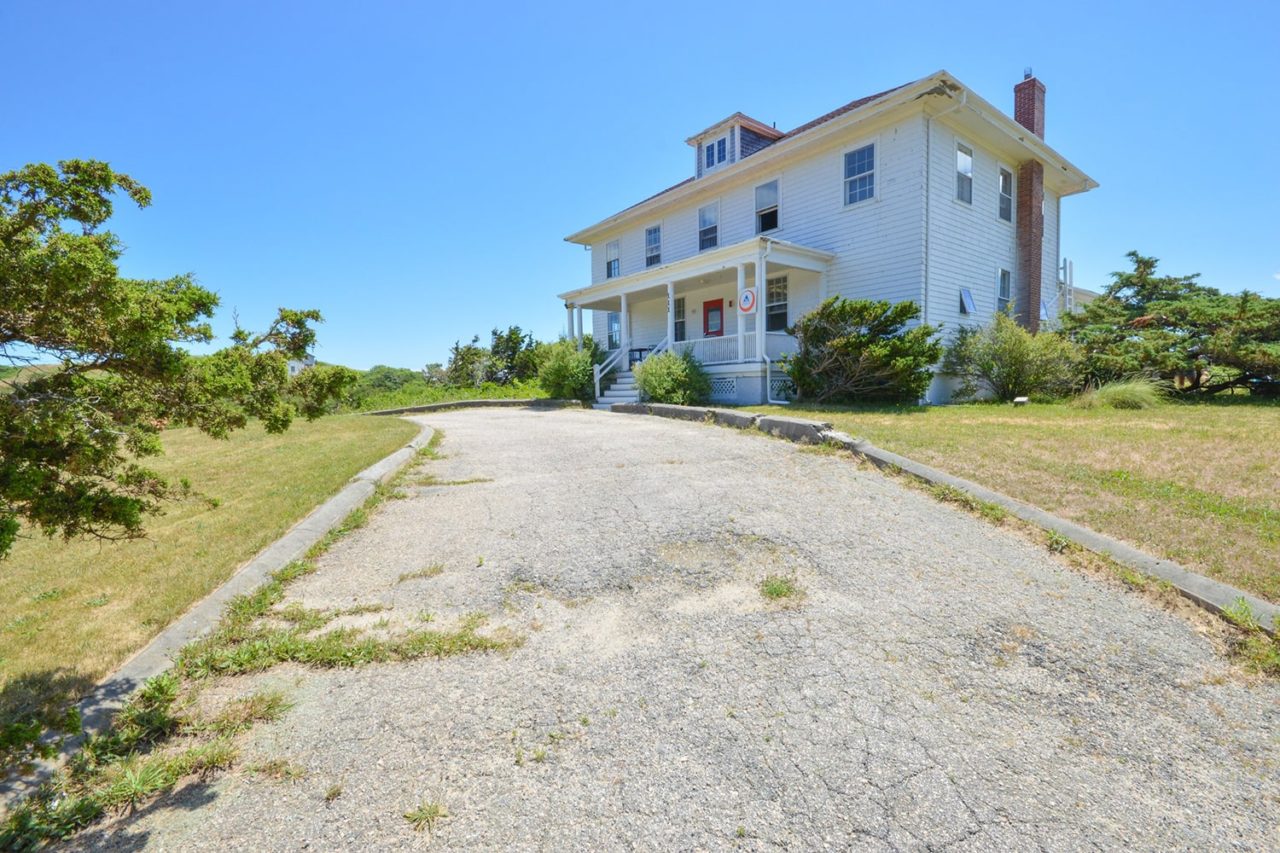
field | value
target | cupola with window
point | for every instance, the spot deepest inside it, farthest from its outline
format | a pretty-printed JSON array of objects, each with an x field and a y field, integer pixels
[{"x": 728, "y": 141}]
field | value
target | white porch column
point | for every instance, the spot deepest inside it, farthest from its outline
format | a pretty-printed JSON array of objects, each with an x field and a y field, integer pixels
[
  {"x": 742, "y": 318},
  {"x": 578, "y": 308},
  {"x": 568, "y": 309},
  {"x": 624, "y": 334},
  {"x": 760, "y": 300},
  {"x": 671, "y": 314}
]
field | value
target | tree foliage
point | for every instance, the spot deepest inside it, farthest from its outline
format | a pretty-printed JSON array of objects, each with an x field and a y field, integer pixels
[
  {"x": 72, "y": 438},
  {"x": 1176, "y": 329},
  {"x": 1004, "y": 360},
  {"x": 676, "y": 378},
  {"x": 854, "y": 350}
]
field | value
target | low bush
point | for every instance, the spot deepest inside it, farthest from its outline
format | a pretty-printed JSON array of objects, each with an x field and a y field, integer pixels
[
  {"x": 673, "y": 378},
  {"x": 1004, "y": 361},
  {"x": 566, "y": 372},
  {"x": 853, "y": 350},
  {"x": 1128, "y": 394}
]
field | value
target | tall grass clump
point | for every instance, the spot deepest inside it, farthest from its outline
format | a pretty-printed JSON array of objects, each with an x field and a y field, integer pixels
[{"x": 1126, "y": 394}]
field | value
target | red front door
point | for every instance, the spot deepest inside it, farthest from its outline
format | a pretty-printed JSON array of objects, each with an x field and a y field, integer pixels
[{"x": 713, "y": 318}]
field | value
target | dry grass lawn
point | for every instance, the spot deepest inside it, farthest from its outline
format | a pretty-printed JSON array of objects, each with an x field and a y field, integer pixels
[
  {"x": 1198, "y": 483},
  {"x": 73, "y": 611}
]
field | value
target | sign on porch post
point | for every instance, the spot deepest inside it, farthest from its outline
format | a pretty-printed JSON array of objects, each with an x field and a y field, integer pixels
[{"x": 747, "y": 301}]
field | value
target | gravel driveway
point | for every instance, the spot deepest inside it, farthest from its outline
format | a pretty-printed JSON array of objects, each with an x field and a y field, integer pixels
[{"x": 942, "y": 682}]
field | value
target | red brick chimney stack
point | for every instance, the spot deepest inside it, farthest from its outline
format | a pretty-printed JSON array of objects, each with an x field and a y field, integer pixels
[
  {"x": 1028, "y": 111},
  {"x": 1028, "y": 104}
]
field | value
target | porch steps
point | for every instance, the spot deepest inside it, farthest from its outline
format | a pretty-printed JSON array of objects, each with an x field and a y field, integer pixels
[{"x": 623, "y": 390}]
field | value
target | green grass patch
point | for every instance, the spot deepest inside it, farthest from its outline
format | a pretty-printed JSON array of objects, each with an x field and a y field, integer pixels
[
  {"x": 420, "y": 393},
  {"x": 1190, "y": 481},
  {"x": 92, "y": 604},
  {"x": 780, "y": 588}
]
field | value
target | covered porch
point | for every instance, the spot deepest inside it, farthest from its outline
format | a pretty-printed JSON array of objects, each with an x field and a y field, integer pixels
[{"x": 696, "y": 305}]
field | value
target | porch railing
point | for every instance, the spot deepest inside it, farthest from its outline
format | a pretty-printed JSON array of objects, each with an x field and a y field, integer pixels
[{"x": 722, "y": 350}]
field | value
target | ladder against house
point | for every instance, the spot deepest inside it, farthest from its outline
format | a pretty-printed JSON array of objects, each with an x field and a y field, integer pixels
[{"x": 623, "y": 390}]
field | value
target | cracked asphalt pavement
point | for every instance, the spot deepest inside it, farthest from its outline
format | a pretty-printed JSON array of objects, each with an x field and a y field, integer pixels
[{"x": 941, "y": 683}]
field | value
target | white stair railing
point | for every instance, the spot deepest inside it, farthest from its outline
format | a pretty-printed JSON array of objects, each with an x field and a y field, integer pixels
[{"x": 609, "y": 364}]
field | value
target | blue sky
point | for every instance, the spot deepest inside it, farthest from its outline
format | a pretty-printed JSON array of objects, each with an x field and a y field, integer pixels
[{"x": 410, "y": 169}]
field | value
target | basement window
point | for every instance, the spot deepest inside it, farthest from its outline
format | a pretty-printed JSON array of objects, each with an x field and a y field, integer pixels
[
  {"x": 966, "y": 301},
  {"x": 964, "y": 173}
]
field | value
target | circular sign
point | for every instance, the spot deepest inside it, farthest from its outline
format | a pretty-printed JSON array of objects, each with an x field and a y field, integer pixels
[{"x": 747, "y": 301}]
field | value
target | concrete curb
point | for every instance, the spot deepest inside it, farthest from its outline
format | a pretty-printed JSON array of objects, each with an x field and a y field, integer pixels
[
  {"x": 97, "y": 708},
  {"x": 1210, "y": 594},
  {"x": 532, "y": 403}
]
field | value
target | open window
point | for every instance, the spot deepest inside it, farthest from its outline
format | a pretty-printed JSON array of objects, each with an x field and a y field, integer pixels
[
  {"x": 966, "y": 301},
  {"x": 766, "y": 207}
]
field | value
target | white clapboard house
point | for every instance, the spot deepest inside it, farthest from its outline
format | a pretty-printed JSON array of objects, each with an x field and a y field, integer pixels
[{"x": 925, "y": 192}]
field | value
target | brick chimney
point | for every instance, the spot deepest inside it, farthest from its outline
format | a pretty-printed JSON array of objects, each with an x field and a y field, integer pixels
[
  {"x": 1028, "y": 111},
  {"x": 1028, "y": 104}
]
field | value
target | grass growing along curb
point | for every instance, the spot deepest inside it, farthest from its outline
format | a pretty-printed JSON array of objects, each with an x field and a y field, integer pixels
[
  {"x": 158, "y": 738},
  {"x": 1189, "y": 481},
  {"x": 74, "y": 611}
]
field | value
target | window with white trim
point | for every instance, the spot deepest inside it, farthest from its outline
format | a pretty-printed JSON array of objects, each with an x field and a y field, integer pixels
[
  {"x": 612, "y": 265},
  {"x": 860, "y": 174},
  {"x": 679, "y": 315},
  {"x": 1004, "y": 290},
  {"x": 716, "y": 152},
  {"x": 766, "y": 207},
  {"x": 709, "y": 226},
  {"x": 775, "y": 304},
  {"x": 613, "y": 326},
  {"x": 966, "y": 301},
  {"x": 653, "y": 246},
  {"x": 1006, "y": 195},
  {"x": 964, "y": 173}
]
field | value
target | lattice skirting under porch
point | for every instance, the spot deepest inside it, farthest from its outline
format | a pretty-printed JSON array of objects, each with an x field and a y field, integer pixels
[{"x": 724, "y": 388}]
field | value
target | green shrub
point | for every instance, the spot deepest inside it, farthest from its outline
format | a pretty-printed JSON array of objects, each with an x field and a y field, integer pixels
[
  {"x": 1004, "y": 360},
  {"x": 673, "y": 378},
  {"x": 1129, "y": 394},
  {"x": 855, "y": 349},
  {"x": 566, "y": 372}
]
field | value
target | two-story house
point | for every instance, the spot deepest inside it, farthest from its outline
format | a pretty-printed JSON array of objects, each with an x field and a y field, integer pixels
[{"x": 925, "y": 192}]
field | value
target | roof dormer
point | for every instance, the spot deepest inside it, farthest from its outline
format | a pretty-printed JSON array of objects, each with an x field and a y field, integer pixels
[{"x": 728, "y": 141}]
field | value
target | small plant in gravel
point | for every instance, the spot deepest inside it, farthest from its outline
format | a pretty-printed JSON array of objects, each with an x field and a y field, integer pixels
[
  {"x": 426, "y": 816},
  {"x": 240, "y": 714},
  {"x": 780, "y": 587},
  {"x": 431, "y": 571},
  {"x": 540, "y": 754},
  {"x": 279, "y": 769},
  {"x": 334, "y": 791}
]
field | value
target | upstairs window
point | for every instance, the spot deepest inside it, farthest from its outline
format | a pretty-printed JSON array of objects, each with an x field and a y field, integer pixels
[
  {"x": 614, "y": 330},
  {"x": 653, "y": 246},
  {"x": 1004, "y": 290},
  {"x": 964, "y": 173},
  {"x": 860, "y": 174},
  {"x": 612, "y": 266},
  {"x": 766, "y": 207},
  {"x": 679, "y": 313},
  {"x": 708, "y": 226},
  {"x": 775, "y": 304},
  {"x": 1006, "y": 195},
  {"x": 717, "y": 152}
]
